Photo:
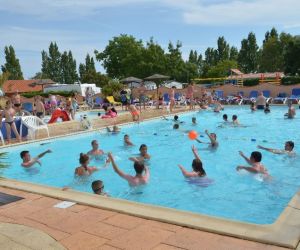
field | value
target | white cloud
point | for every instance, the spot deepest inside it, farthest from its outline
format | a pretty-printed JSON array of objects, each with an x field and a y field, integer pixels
[
  {"x": 238, "y": 13},
  {"x": 29, "y": 43},
  {"x": 196, "y": 12}
]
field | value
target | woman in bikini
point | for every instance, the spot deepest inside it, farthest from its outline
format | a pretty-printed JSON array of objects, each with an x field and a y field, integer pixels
[
  {"x": 9, "y": 121},
  {"x": 84, "y": 169}
]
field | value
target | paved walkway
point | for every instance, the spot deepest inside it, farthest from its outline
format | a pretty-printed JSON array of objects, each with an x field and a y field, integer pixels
[
  {"x": 83, "y": 227},
  {"x": 19, "y": 237}
]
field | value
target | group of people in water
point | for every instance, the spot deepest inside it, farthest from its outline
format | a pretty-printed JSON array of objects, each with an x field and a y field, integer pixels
[{"x": 142, "y": 173}]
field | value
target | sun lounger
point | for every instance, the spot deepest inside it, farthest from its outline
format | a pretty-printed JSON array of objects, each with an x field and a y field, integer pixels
[
  {"x": 280, "y": 99},
  {"x": 112, "y": 101},
  {"x": 295, "y": 97}
]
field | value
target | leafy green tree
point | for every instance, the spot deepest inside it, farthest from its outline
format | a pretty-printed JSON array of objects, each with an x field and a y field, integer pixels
[
  {"x": 51, "y": 64},
  {"x": 197, "y": 60},
  {"x": 3, "y": 78},
  {"x": 271, "y": 56},
  {"x": 175, "y": 65},
  {"x": 122, "y": 57},
  {"x": 233, "y": 54},
  {"x": 68, "y": 68},
  {"x": 223, "y": 49},
  {"x": 248, "y": 56},
  {"x": 153, "y": 59},
  {"x": 291, "y": 57},
  {"x": 88, "y": 71},
  {"x": 221, "y": 69},
  {"x": 112, "y": 88},
  {"x": 12, "y": 64}
]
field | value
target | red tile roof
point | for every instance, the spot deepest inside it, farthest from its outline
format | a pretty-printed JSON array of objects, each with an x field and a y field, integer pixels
[{"x": 22, "y": 86}]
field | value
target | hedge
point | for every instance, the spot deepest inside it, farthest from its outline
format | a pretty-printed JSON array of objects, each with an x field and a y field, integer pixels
[
  {"x": 61, "y": 93},
  {"x": 251, "y": 82},
  {"x": 290, "y": 80}
]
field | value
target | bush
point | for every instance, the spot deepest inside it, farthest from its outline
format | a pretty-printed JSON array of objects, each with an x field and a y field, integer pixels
[
  {"x": 251, "y": 82},
  {"x": 61, "y": 93},
  {"x": 290, "y": 80}
]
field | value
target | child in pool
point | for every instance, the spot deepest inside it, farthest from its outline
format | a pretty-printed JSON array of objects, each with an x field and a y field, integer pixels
[{"x": 198, "y": 170}]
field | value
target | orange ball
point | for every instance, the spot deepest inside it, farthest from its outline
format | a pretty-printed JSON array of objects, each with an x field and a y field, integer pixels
[{"x": 193, "y": 135}]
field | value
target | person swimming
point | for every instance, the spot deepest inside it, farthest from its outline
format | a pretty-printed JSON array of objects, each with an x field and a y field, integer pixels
[
  {"x": 213, "y": 139},
  {"x": 291, "y": 111},
  {"x": 255, "y": 162},
  {"x": 84, "y": 169},
  {"x": 115, "y": 129},
  {"x": 98, "y": 188},
  {"x": 235, "y": 120},
  {"x": 194, "y": 121},
  {"x": 28, "y": 161},
  {"x": 267, "y": 108},
  {"x": 197, "y": 166},
  {"x": 288, "y": 149},
  {"x": 95, "y": 151},
  {"x": 127, "y": 141},
  {"x": 139, "y": 167}
]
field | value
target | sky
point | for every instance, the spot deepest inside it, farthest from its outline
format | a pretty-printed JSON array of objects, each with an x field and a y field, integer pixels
[{"x": 85, "y": 25}]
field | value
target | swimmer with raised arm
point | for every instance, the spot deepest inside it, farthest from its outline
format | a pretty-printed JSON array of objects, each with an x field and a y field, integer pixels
[
  {"x": 288, "y": 149},
  {"x": 28, "y": 161},
  {"x": 84, "y": 169},
  {"x": 139, "y": 178},
  {"x": 255, "y": 162},
  {"x": 213, "y": 139},
  {"x": 198, "y": 170}
]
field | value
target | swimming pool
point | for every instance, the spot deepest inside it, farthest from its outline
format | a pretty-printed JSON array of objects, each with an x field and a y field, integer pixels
[{"x": 238, "y": 196}]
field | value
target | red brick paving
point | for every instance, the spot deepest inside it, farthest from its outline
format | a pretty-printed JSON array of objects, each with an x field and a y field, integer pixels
[{"x": 83, "y": 227}]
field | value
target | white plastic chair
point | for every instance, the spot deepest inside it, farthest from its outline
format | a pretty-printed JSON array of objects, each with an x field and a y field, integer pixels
[
  {"x": 2, "y": 138},
  {"x": 34, "y": 124}
]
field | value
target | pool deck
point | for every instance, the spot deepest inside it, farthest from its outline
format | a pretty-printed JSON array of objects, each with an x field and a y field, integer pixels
[{"x": 85, "y": 226}]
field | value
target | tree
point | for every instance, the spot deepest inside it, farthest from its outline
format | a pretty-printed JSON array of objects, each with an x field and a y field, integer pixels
[
  {"x": 291, "y": 57},
  {"x": 175, "y": 66},
  {"x": 271, "y": 56},
  {"x": 248, "y": 55},
  {"x": 221, "y": 69},
  {"x": 153, "y": 59},
  {"x": 12, "y": 65},
  {"x": 233, "y": 55},
  {"x": 222, "y": 50},
  {"x": 88, "y": 71},
  {"x": 51, "y": 64},
  {"x": 196, "y": 60},
  {"x": 68, "y": 68},
  {"x": 122, "y": 57},
  {"x": 3, "y": 78}
]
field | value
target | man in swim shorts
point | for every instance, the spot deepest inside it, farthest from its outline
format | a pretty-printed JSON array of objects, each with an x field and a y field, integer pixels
[{"x": 260, "y": 101}]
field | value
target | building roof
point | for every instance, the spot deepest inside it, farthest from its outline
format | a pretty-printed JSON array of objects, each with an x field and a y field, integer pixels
[
  {"x": 236, "y": 71},
  {"x": 22, "y": 86}
]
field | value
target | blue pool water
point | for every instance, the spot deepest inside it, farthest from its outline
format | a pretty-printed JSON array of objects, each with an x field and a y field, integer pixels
[{"x": 238, "y": 196}]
